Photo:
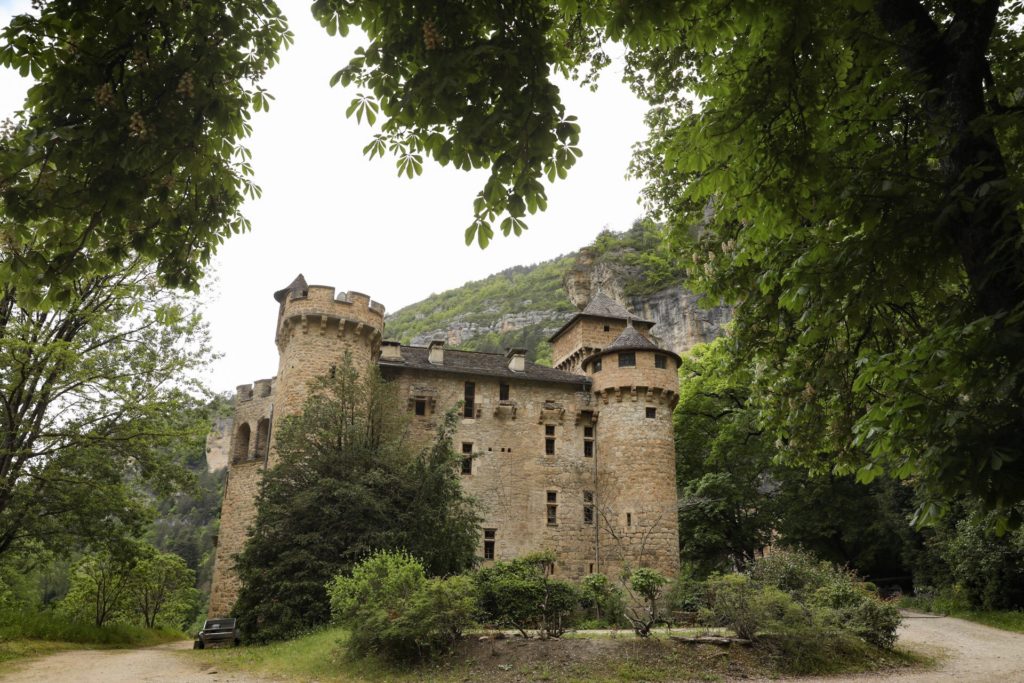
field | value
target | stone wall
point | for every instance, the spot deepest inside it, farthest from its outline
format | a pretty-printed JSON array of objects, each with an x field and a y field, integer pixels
[{"x": 237, "y": 513}]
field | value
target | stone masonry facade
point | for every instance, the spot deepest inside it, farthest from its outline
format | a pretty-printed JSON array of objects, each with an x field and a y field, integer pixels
[{"x": 577, "y": 459}]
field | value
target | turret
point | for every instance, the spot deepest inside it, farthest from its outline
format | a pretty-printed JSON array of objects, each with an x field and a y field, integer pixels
[
  {"x": 315, "y": 328},
  {"x": 590, "y": 330},
  {"x": 636, "y": 386}
]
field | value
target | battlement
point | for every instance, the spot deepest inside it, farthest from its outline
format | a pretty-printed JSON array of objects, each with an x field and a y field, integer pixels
[
  {"x": 261, "y": 388},
  {"x": 347, "y": 312}
]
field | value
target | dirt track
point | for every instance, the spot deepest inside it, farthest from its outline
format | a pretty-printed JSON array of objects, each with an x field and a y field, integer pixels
[{"x": 971, "y": 653}]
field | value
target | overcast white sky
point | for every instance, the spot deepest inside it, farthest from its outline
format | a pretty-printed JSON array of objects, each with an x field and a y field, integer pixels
[{"x": 350, "y": 223}]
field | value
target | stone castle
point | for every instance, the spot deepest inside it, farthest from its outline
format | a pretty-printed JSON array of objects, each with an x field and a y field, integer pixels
[{"x": 578, "y": 458}]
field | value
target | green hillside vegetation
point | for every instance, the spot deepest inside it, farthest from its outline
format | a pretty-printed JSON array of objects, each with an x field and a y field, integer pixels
[{"x": 537, "y": 288}]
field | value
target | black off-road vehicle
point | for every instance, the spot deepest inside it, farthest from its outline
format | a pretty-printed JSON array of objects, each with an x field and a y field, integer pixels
[{"x": 217, "y": 631}]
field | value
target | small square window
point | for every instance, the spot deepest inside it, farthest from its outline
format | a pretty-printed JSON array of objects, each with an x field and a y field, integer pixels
[
  {"x": 467, "y": 448},
  {"x": 588, "y": 449},
  {"x": 421, "y": 406},
  {"x": 502, "y": 392},
  {"x": 660, "y": 361},
  {"x": 588, "y": 496},
  {"x": 549, "y": 430},
  {"x": 627, "y": 359},
  {"x": 552, "y": 496},
  {"x": 489, "y": 533},
  {"x": 608, "y": 328},
  {"x": 652, "y": 412},
  {"x": 588, "y": 432}
]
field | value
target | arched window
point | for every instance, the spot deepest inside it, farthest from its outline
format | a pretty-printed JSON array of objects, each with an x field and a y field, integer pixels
[
  {"x": 262, "y": 438},
  {"x": 241, "y": 449}
]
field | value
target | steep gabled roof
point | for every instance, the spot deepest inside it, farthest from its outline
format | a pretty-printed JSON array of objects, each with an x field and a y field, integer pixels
[{"x": 600, "y": 306}]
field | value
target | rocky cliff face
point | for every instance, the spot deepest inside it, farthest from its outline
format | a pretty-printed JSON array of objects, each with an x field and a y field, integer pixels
[
  {"x": 681, "y": 318},
  {"x": 459, "y": 330}
]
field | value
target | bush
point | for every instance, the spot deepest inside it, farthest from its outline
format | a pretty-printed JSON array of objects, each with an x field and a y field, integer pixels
[
  {"x": 392, "y": 609},
  {"x": 738, "y": 603},
  {"x": 603, "y": 599},
  {"x": 520, "y": 594},
  {"x": 836, "y": 597},
  {"x": 645, "y": 587}
]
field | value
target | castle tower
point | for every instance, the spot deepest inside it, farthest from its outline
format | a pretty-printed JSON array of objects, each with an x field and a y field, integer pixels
[
  {"x": 315, "y": 329},
  {"x": 636, "y": 387},
  {"x": 597, "y": 325}
]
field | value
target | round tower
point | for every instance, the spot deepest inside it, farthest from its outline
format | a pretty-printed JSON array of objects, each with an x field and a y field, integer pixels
[
  {"x": 636, "y": 386},
  {"x": 315, "y": 329}
]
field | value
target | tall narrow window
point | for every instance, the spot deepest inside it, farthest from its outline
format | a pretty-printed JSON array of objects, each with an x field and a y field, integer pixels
[
  {"x": 421, "y": 406},
  {"x": 502, "y": 392},
  {"x": 552, "y": 508},
  {"x": 596, "y": 366},
  {"x": 627, "y": 359},
  {"x": 629, "y": 519},
  {"x": 467, "y": 458},
  {"x": 469, "y": 409},
  {"x": 660, "y": 361},
  {"x": 588, "y": 442},
  {"x": 489, "y": 538},
  {"x": 588, "y": 507},
  {"x": 549, "y": 439}
]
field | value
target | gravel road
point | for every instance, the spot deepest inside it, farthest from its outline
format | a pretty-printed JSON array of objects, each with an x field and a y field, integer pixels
[{"x": 970, "y": 653}]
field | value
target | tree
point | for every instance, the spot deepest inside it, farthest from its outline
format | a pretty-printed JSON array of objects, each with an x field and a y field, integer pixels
[
  {"x": 129, "y": 143},
  {"x": 99, "y": 587},
  {"x": 854, "y": 169},
  {"x": 349, "y": 482},
  {"x": 161, "y": 589},
  {"x": 95, "y": 396}
]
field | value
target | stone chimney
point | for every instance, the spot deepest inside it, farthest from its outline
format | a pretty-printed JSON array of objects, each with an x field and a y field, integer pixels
[
  {"x": 391, "y": 351},
  {"x": 516, "y": 360},
  {"x": 436, "y": 353}
]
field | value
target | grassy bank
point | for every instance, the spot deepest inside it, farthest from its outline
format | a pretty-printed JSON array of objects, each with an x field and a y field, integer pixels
[
  {"x": 1007, "y": 620},
  {"x": 31, "y": 634},
  {"x": 322, "y": 656}
]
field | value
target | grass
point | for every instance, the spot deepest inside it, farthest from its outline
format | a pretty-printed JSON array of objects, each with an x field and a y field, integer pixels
[
  {"x": 34, "y": 634},
  {"x": 322, "y": 656},
  {"x": 1007, "y": 620}
]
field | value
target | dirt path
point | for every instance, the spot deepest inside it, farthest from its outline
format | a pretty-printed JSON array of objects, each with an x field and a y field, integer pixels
[
  {"x": 969, "y": 652},
  {"x": 150, "y": 665}
]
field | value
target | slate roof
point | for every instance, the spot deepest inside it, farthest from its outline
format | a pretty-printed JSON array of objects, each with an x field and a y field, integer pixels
[
  {"x": 601, "y": 306},
  {"x": 298, "y": 284},
  {"x": 477, "y": 363},
  {"x": 630, "y": 339}
]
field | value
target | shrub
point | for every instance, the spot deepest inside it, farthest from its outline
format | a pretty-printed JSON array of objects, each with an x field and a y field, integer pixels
[
  {"x": 645, "y": 587},
  {"x": 738, "y": 603},
  {"x": 520, "y": 594},
  {"x": 603, "y": 598},
  {"x": 392, "y": 609}
]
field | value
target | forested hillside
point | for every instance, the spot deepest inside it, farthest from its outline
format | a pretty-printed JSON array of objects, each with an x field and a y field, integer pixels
[{"x": 523, "y": 306}]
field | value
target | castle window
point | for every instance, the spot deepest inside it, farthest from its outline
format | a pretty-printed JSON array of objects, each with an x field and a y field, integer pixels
[
  {"x": 588, "y": 507},
  {"x": 652, "y": 412},
  {"x": 627, "y": 360},
  {"x": 591, "y": 567},
  {"x": 503, "y": 392},
  {"x": 421, "y": 406},
  {"x": 467, "y": 458},
  {"x": 629, "y": 519},
  {"x": 597, "y": 365},
  {"x": 549, "y": 440},
  {"x": 468, "y": 410},
  {"x": 333, "y": 371},
  {"x": 262, "y": 439},
  {"x": 489, "y": 535},
  {"x": 552, "y": 508},
  {"x": 607, "y": 328},
  {"x": 660, "y": 361},
  {"x": 588, "y": 442}
]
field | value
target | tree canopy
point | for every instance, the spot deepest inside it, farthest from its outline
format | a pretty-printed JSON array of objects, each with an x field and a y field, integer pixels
[
  {"x": 847, "y": 173},
  {"x": 129, "y": 142}
]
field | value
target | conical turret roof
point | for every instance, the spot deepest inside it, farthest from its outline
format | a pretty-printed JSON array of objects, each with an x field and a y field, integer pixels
[
  {"x": 298, "y": 284},
  {"x": 603, "y": 305},
  {"x": 630, "y": 339}
]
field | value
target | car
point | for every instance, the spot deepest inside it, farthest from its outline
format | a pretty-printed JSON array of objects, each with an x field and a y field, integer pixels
[{"x": 217, "y": 631}]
